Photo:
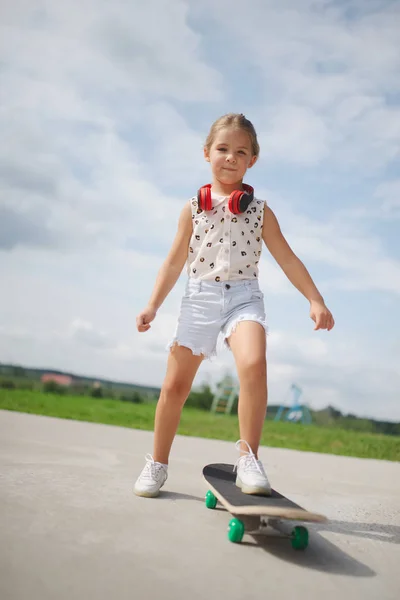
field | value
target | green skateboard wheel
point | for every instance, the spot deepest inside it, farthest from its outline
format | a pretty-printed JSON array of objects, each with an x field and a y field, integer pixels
[
  {"x": 236, "y": 530},
  {"x": 211, "y": 501},
  {"x": 299, "y": 538}
]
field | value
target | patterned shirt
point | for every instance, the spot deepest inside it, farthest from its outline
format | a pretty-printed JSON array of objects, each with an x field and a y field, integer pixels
[{"x": 224, "y": 246}]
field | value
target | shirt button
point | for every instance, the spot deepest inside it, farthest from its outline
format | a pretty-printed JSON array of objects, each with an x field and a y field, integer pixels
[
  {"x": 226, "y": 233},
  {"x": 227, "y": 251}
]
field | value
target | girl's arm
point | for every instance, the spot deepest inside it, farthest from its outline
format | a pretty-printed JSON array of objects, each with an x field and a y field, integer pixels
[
  {"x": 172, "y": 266},
  {"x": 170, "y": 269},
  {"x": 295, "y": 270}
]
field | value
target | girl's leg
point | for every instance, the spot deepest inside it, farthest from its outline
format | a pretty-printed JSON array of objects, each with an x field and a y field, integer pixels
[
  {"x": 182, "y": 367},
  {"x": 248, "y": 344}
]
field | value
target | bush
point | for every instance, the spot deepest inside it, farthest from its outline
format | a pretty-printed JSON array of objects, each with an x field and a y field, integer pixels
[
  {"x": 80, "y": 389},
  {"x": 201, "y": 398},
  {"x": 7, "y": 384},
  {"x": 52, "y": 387},
  {"x": 26, "y": 385},
  {"x": 135, "y": 398},
  {"x": 96, "y": 392},
  {"x": 18, "y": 372}
]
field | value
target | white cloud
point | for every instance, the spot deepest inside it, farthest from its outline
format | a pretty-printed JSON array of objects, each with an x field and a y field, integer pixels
[
  {"x": 310, "y": 348},
  {"x": 78, "y": 82},
  {"x": 84, "y": 332},
  {"x": 341, "y": 241},
  {"x": 389, "y": 194},
  {"x": 108, "y": 50},
  {"x": 326, "y": 70},
  {"x": 295, "y": 134},
  {"x": 105, "y": 205},
  {"x": 177, "y": 150}
]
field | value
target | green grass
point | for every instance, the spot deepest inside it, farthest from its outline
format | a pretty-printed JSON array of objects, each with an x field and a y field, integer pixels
[{"x": 203, "y": 424}]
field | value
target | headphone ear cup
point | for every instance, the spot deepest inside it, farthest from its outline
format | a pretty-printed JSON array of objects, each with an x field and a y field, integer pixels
[
  {"x": 239, "y": 201},
  {"x": 204, "y": 198},
  {"x": 234, "y": 202},
  {"x": 200, "y": 200},
  {"x": 244, "y": 201}
]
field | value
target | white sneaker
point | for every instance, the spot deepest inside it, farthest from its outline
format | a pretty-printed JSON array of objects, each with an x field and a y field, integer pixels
[
  {"x": 151, "y": 479},
  {"x": 251, "y": 477}
]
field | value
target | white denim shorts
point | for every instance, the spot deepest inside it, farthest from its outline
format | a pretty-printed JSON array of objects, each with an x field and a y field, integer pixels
[{"x": 211, "y": 310}]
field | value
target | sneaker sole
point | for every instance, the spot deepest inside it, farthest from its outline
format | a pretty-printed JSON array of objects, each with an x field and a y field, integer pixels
[
  {"x": 144, "y": 494},
  {"x": 256, "y": 490}
]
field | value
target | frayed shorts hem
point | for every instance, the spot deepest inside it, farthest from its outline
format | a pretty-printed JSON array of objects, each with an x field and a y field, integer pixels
[
  {"x": 232, "y": 327},
  {"x": 210, "y": 354},
  {"x": 195, "y": 351}
]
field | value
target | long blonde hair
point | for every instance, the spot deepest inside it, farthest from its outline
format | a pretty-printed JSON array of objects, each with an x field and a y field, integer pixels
[{"x": 234, "y": 120}]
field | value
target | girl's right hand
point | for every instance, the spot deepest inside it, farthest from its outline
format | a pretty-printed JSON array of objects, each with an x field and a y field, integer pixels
[{"x": 144, "y": 319}]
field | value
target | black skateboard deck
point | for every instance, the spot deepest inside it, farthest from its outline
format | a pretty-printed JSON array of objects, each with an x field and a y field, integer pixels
[{"x": 268, "y": 510}]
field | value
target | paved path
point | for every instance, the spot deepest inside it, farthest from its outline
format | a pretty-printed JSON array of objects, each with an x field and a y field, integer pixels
[{"x": 71, "y": 528}]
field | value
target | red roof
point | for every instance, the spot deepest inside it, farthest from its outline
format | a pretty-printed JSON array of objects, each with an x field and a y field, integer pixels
[{"x": 60, "y": 379}]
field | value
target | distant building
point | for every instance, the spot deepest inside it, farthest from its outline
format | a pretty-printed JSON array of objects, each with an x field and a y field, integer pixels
[{"x": 60, "y": 379}]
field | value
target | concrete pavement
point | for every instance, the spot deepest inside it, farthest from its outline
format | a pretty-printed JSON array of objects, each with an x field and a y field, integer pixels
[{"x": 71, "y": 528}]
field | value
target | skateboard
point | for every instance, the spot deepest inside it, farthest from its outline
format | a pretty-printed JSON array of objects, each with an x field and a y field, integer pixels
[{"x": 254, "y": 513}]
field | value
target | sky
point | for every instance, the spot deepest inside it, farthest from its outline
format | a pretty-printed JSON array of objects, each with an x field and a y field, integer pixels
[{"x": 104, "y": 109}]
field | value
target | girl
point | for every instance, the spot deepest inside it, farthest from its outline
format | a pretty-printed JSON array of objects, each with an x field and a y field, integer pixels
[{"x": 220, "y": 235}]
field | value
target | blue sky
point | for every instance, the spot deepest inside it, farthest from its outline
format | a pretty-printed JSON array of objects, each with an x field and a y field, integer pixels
[{"x": 104, "y": 111}]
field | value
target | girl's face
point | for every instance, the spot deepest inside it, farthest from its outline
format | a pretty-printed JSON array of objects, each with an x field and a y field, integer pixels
[{"x": 230, "y": 155}]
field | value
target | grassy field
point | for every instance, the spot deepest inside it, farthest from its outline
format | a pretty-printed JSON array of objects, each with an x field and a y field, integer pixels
[{"x": 203, "y": 424}]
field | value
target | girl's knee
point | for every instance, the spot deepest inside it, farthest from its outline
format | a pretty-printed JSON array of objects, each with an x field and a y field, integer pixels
[
  {"x": 253, "y": 366},
  {"x": 175, "y": 390}
]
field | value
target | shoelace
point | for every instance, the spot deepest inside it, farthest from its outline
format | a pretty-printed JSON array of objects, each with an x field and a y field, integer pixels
[
  {"x": 250, "y": 461},
  {"x": 151, "y": 469}
]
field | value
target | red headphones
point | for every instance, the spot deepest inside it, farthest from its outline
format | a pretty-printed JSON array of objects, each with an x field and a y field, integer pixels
[{"x": 238, "y": 203}]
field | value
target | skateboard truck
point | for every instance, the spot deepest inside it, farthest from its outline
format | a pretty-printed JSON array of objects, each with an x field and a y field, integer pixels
[{"x": 237, "y": 527}]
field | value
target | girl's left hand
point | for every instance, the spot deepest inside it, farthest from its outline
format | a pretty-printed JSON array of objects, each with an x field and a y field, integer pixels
[{"x": 321, "y": 316}]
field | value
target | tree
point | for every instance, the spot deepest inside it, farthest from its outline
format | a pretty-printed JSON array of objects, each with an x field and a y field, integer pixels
[
  {"x": 52, "y": 387},
  {"x": 18, "y": 372},
  {"x": 201, "y": 398},
  {"x": 96, "y": 391},
  {"x": 136, "y": 398}
]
